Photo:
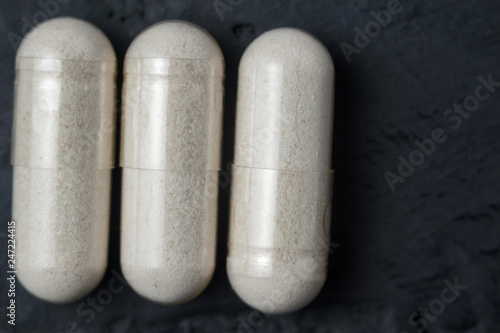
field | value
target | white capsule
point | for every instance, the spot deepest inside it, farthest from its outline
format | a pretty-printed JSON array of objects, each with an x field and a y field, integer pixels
[
  {"x": 62, "y": 152},
  {"x": 170, "y": 154},
  {"x": 282, "y": 182}
]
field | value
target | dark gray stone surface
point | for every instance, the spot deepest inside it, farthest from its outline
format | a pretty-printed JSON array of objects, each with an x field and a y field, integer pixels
[{"x": 396, "y": 247}]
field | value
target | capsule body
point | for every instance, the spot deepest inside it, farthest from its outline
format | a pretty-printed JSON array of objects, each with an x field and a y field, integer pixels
[
  {"x": 170, "y": 154},
  {"x": 63, "y": 141},
  {"x": 281, "y": 181}
]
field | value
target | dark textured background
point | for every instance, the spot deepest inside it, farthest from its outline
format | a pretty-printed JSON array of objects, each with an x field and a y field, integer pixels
[{"x": 396, "y": 248}]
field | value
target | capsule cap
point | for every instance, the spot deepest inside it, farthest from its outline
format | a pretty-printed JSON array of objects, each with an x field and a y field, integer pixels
[
  {"x": 64, "y": 97},
  {"x": 172, "y": 99},
  {"x": 285, "y": 103}
]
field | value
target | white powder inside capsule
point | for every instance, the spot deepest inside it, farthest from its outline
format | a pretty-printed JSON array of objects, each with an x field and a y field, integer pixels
[
  {"x": 281, "y": 184},
  {"x": 171, "y": 132},
  {"x": 62, "y": 154}
]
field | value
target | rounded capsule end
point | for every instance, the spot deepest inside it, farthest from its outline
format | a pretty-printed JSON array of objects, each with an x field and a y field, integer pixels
[
  {"x": 174, "y": 39},
  {"x": 275, "y": 295},
  {"x": 290, "y": 48},
  {"x": 60, "y": 286},
  {"x": 66, "y": 39},
  {"x": 166, "y": 285}
]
